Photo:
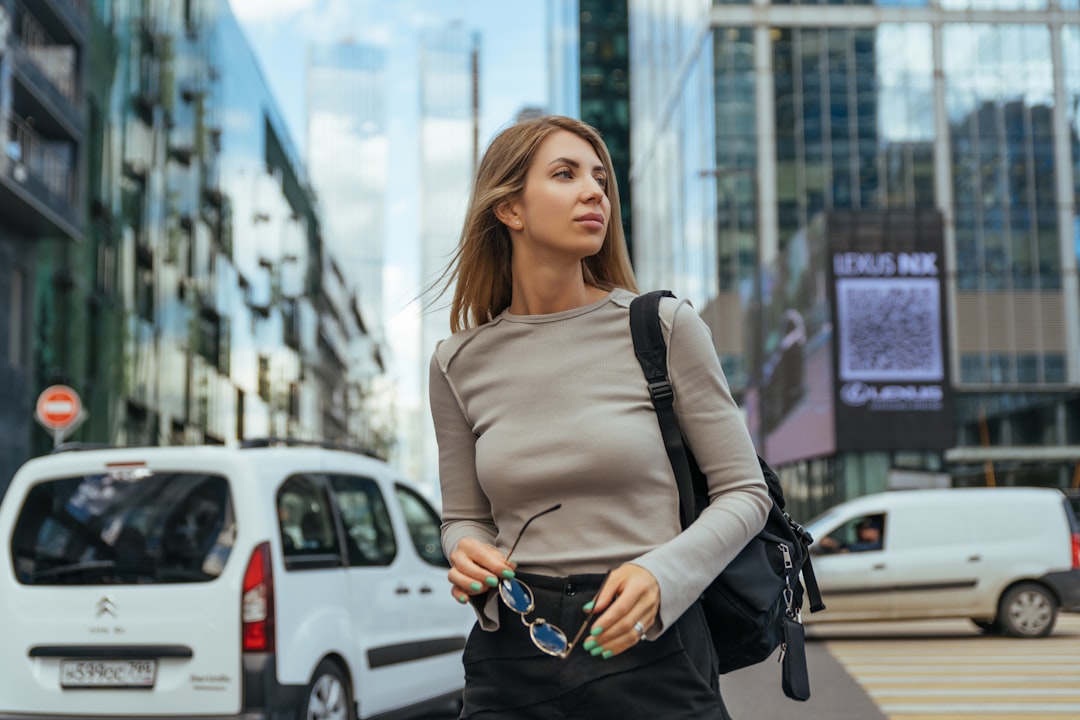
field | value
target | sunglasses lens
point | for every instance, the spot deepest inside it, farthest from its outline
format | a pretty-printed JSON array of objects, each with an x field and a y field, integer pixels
[
  {"x": 516, "y": 595},
  {"x": 548, "y": 638}
]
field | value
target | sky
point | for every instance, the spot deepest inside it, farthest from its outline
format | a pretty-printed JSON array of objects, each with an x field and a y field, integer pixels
[{"x": 513, "y": 75}]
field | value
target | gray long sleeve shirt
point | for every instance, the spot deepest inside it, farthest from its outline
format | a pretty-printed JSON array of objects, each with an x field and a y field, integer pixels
[{"x": 535, "y": 410}]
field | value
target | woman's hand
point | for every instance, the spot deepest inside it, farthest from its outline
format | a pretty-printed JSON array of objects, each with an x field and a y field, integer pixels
[
  {"x": 630, "y": 595},
  {"x": 475, "y": 568}
]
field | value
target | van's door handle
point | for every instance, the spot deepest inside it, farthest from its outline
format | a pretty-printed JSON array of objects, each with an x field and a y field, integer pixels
[
  {"x": 974, "y": 558},
  {"x": 425, "y": 590},
  {"x": 401, "y": 590},
  {"x": 878, "y": 566}
]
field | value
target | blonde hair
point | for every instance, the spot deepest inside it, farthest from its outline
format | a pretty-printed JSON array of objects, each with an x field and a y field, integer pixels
[{"x": 480, "y": 267}]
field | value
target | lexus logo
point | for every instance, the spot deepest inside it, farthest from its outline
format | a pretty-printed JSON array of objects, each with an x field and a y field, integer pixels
[{"x": 106, "y": 606}]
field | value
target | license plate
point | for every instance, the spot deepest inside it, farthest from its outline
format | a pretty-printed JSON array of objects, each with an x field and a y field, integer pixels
[{"x": 107, "y": 673}]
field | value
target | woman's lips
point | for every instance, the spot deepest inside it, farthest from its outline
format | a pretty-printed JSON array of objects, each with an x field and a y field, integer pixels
[{"x": 593, "y": 221}]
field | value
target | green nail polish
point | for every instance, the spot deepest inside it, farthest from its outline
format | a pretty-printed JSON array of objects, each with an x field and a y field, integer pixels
[
  {"x": 476, "y": 586},
  {"x": 606, "y": 654},
  {"x": 596, "y": 631},
  {"x": 462, "y": 599},
  {"x": 490, "y": 580},
  {"x": 596, "y": 651},
  {"x": 508, "y": 574},
  {"x": 589, "y": 644},
  {"x": 589, "y": 606}
]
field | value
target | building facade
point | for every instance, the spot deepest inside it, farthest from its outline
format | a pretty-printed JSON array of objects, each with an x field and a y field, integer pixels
[
  {"x": 43, "y": 57},
  {"x": 589, "y": 78},
  {"x": 449, "y": 143},
  {"x": 875, "y": 208},
  {"x": 564, "y": 57},
  {"x": 347, "y": 161},
  {"x": 198, "y": 302}
]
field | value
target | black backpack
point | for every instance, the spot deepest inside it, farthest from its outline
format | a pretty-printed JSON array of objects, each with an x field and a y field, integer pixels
[{"x": 753, "y": 606}]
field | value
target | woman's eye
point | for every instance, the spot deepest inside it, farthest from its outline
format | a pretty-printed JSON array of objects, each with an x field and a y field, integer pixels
[{"x": 601, "y": 181}]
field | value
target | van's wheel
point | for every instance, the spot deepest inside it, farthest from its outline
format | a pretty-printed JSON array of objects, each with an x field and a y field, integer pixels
[
  {"x": 328, "y": 695},
  {"x": 990, "y": 627},
  {"x": 1027, "y": 610}
]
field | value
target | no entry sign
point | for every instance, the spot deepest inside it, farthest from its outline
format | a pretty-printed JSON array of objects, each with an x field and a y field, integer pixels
[
  {"x": 59, "y": 410},
  {"x": 58, "y": 407}
]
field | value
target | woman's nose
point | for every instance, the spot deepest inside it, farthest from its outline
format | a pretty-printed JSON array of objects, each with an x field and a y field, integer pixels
[{"x": 593, "y": 190}]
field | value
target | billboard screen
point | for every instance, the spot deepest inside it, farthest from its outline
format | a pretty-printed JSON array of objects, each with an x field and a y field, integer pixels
[{"x": 885, "y": 277}]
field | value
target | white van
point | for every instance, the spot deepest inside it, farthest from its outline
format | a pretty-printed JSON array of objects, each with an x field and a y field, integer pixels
[
  {"x": 212, "y": 582},
  {"x": 1007, "y": 558}
]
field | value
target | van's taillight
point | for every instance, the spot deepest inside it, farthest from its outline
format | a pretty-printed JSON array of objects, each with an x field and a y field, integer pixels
[
  {"x": 257, "y": 602},
  {"x": 1076, "y": 551}
]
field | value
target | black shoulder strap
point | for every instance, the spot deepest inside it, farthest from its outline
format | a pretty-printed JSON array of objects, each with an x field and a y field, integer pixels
[{"x": 651, "y": 351}]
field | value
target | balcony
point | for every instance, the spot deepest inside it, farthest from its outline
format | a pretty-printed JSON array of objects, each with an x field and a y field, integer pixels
[
  {"x": 66, "y": 19},
  {"x": 38, "y": 181},
  {"x": 46, "y": 69}
]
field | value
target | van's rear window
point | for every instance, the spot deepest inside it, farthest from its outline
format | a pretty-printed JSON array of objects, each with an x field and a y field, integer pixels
[{"x": 133, "y": 526}]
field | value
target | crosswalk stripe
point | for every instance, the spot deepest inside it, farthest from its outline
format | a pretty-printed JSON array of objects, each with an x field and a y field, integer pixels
[
  {"x": 981, "y": 715},
  {"x": 985, "y": 654},
  {"x": 983, "y": 709},
  {"x": 1041, "y": 658},
  {"x": 969, "y": 681},
  {"x": 969, "y": 677},
  {"x": 950, "y": 693},
  {"x": 924, "y": 667},
  {"x": 1006, "y": 715}
]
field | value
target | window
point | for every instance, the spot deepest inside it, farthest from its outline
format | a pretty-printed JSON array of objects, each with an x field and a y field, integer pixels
[
  {"x": 264, "y": 378},
  {"x": 368, "y": 531},
  {"x": 144, "y": 282},
  {"x": 424, "y": 527},
  {"x": 128, "y": 526},
  {"x": 308, "y": 534},
  {"x": 210, "y": 336},
  {"x": 861, "y": 534},
  {"x": 1054, "y": 367},
  {"x": 15, "y": 320}
]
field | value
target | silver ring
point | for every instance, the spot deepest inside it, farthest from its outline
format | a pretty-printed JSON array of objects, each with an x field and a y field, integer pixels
[{"x": 640, "y": 630}]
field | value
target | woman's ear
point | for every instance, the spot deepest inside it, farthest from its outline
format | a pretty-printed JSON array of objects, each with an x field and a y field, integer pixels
[{"x": 508, "y": 215}]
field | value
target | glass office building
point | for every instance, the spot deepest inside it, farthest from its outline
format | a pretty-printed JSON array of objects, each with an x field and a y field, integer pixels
[
  {"x": 347, "y": 161},
  {"x": 564, "y": 57},
  {"x": 187, "y": 296},
  {"x": 43, "y": 55},
  {"x": 798, "y": 158},
  {"x": 449, "y": 144},
  {"x": 589, "y": 78}
]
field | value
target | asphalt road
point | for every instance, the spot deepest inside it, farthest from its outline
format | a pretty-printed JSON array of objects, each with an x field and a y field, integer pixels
[{"x": 754, "y": 693}]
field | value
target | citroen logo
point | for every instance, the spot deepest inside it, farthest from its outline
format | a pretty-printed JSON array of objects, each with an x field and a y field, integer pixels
[{"x": 106, "y": 606}]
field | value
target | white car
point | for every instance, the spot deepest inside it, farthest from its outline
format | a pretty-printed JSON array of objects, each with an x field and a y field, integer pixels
[
  {"x": 213, "y": 582},
  {"x": 1007, "y": 558}
]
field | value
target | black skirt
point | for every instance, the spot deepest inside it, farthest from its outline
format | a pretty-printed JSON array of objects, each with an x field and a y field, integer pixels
[{"x": 674, "y": 677}]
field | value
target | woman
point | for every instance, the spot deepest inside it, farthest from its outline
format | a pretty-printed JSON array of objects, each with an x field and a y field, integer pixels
[{"x": 556, "y": 488}]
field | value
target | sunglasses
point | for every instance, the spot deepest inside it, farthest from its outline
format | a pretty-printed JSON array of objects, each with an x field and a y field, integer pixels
[{"x": 519, "y": 598}]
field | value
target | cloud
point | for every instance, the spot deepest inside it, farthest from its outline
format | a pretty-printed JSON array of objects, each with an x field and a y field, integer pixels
[
  {"x": 255, "y": 11},
  {"x": 348, "y": 20},
  {"x": 334, "y": 21}
]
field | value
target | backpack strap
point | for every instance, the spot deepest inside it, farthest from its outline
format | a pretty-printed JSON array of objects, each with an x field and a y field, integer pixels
[{"x": 651, "y": 352}]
